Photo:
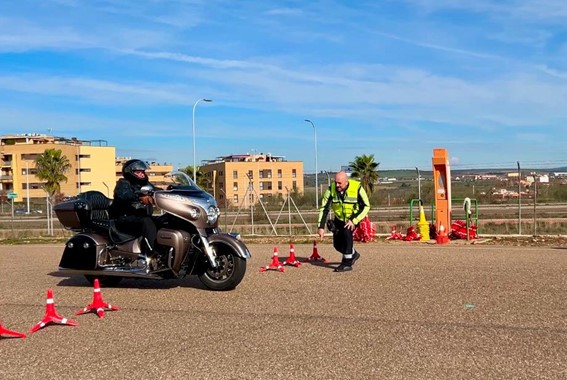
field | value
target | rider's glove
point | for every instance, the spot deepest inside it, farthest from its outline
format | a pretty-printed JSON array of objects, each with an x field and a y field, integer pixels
[{"x": 146, "y": 199}]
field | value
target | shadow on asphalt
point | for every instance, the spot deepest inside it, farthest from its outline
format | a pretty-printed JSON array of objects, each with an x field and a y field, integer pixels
[
  {"x": 133, "y": 283},
  {"x": 317, "y": 263}
]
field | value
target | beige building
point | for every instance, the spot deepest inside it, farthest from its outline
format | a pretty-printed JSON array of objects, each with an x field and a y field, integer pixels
[
  {"x": 156, "y": 174},
  {"x": 94, "y": 165},
  {"x": 239, "y": 180}
]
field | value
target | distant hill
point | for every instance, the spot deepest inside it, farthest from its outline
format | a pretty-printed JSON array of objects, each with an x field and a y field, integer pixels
[{"x": 406, "y": 174}]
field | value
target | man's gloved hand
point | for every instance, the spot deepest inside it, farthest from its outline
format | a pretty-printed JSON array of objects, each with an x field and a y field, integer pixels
[{"x": 146, "y": 199}]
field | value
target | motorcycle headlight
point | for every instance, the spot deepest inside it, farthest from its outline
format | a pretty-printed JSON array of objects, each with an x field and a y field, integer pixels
[{"x": 212, "y": 214}]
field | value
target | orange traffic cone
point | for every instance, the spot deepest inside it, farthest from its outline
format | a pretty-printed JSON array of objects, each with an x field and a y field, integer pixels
[
  {"x": 51, "y": 315},
  {"x": 442, "y": 237},
  {"x": 315, "y": 255},
  {"x": 292, "y": 260},
  {"x": 98, "y": 304},
  {"x": 275, "y": 264},
  {"x": 10, "y": 333}
]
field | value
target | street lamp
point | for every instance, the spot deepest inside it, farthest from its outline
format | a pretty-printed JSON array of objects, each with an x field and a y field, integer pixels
[
  {"x": 28, "y": 186},
  {"x": 418, "y": 184},
  {"x": 194, "y": 155},
  {"x": 316, "y": 166},
  {"x": 519, "y": 199}
]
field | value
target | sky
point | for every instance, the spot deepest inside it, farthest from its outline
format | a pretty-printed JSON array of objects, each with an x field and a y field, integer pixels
[{"x": 486, "y": 80}]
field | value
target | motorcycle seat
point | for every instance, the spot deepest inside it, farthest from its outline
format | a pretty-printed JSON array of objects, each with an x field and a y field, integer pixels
[
  {"x": 98, "y": 218},
  {"x": 96, "y": 214}
]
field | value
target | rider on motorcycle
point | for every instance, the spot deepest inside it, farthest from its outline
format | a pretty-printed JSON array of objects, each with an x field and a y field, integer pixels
[{"x": 132, "y": 209}]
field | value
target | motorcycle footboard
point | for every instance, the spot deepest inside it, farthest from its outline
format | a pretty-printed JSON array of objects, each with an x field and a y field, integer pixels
[{"x": 117, "y": 273}]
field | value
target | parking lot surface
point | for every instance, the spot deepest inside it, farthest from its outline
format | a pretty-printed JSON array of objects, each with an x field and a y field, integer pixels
[{"x": 406, "y": 311}]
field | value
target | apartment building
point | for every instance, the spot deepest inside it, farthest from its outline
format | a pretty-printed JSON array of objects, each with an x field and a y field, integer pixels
[
  {"x": 156, "y": 173},
  {"x": 92, "y": 165},
  {"x": 240, "y": 179}
]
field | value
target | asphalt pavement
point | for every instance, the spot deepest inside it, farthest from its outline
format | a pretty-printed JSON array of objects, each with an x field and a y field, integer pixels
[{"x": 408, "y": 310}]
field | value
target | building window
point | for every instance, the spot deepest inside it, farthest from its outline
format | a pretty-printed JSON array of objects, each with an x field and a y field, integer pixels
[
  {"x": 266, "y": 185},
  {"x": 294, "y": 185},
  {"x": 260, "y": 174},
  {"x": 235, "y": 199},
  {"x": 250, "y": 174},
  {"x": 235, "y": 186},
  {"x": 293, "y": 173},
  {"x": 235, "y": 174},
  {"x": 261, "y": 185},
  {"x": 280, "y": 185},
  {"x": 279, "y": 173}
]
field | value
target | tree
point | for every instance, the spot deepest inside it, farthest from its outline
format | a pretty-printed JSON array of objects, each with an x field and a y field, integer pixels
[
  {"x": 364, "y": 168},
  {"x": 201, "y": 179},
  {"x": 51, "y": 167}
]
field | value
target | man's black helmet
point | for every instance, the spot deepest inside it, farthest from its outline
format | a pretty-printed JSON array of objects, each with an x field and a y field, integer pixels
[{"x": 131, "y": 166}]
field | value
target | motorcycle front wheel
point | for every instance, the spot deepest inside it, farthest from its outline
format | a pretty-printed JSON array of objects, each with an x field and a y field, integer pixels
[{"x": 229, "y": 272}]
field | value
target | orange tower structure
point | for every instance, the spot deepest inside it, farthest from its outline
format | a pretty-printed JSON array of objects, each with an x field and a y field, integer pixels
[{"x": 442, "y": 183}]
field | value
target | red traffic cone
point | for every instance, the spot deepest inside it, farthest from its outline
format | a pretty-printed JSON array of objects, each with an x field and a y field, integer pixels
[
  {"x": 291, "y": 260},
  {"x": 315, "y": 255},
  {"x": 51, "y": 315},
  {"x": 275, "y": 264},
  {"x": 10, "y": 333},
  {"x": 442, "y": 237},
  {"x": 98, "y": 304}
]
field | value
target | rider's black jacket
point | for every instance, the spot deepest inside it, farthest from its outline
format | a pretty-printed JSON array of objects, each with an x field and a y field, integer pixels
[{"x": 127, "y": 200}]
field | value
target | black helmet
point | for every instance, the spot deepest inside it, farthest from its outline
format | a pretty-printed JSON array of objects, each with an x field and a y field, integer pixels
[{"x": 131, "y": 166}]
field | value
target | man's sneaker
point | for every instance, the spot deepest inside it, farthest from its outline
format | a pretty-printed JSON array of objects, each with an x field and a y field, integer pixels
[
  {"x": 355, "y": 257},
  {"x": 343, "y": 268}
]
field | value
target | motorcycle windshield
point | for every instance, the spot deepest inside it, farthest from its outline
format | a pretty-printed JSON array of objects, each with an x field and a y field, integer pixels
[{"x": 180, "y": 180}]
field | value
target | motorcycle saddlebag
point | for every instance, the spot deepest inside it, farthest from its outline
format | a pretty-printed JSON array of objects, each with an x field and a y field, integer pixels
[{"x": 81, "y": 252}]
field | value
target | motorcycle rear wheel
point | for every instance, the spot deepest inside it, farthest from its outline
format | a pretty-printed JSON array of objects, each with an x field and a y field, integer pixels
[
  {"x": 229, "y": 272},
  {"x": 106, "y": 281}
]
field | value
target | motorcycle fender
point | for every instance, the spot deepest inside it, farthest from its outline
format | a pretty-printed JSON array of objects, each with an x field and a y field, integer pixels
[
  {"x": 82, "y": 252},
  {"x": 236, "y": 244}
]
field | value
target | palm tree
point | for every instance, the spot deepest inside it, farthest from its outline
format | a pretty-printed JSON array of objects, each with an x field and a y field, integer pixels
[
  {"x": 364, "y": 168},
  {"x": 51, "y": 167}
]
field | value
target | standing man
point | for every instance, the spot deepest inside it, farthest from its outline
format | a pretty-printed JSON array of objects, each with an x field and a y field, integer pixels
[{"x": 349, "y": 202}]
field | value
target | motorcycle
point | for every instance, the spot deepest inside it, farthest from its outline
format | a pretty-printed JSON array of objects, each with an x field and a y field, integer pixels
[{"x": 189, "y": 239}]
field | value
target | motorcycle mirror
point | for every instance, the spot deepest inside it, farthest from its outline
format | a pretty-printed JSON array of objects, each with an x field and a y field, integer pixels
[{"x": 146, "y": 189}]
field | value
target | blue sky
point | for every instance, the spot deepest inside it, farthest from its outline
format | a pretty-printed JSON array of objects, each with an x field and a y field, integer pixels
[{"x": 487, "y": 80}]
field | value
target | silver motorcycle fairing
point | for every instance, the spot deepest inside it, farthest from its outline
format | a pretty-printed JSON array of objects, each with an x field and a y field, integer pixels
[{"x": 189, "y": 205}]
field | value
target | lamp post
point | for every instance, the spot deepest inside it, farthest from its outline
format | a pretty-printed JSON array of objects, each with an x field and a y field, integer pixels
[
  {"x": 418, "y": 184},
  {"x": 519, "y": 199},
  {"x": 316, "y": 166},
  {"x": 28, "y": 186},
  {"x": 535, "y": 202},
  {"x": 194, "y": 155}
]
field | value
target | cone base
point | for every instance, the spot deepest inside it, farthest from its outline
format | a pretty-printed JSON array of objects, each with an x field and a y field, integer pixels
[{"x": 4, "y": 332}]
